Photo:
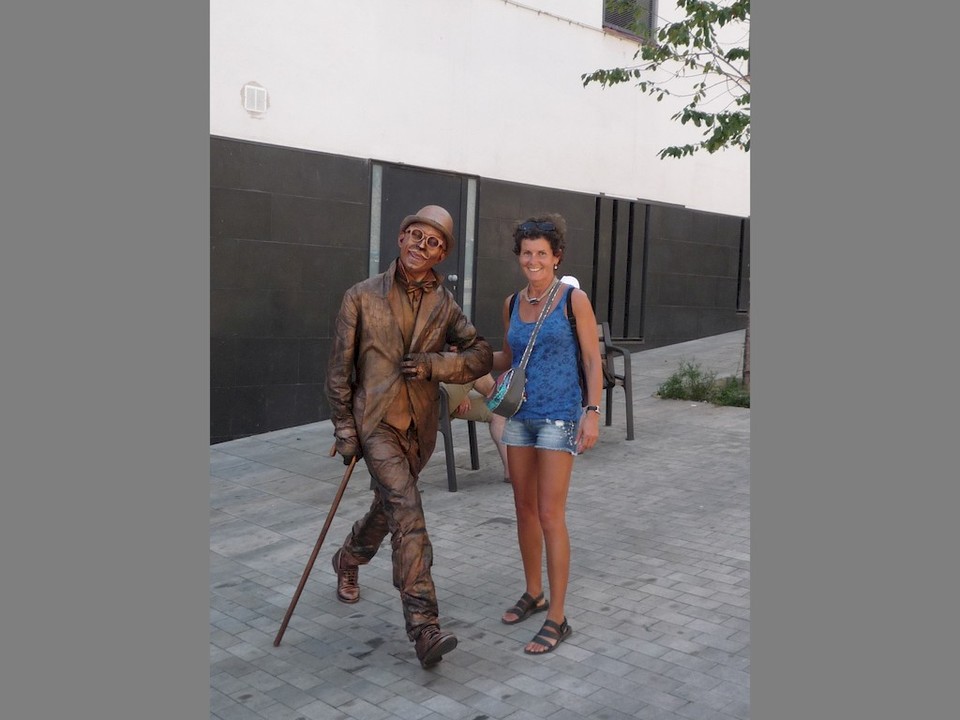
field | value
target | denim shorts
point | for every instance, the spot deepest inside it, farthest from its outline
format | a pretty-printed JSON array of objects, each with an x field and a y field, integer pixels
[{"x": 541, "y": 433}]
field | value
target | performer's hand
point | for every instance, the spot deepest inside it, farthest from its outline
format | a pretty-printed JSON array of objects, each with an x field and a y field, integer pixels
[
  {"x": 416, "y": 366},
  {"x": 349, "y": 449}
]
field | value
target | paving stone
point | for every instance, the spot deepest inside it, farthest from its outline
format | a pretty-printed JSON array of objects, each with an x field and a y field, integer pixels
[
  {"x": 237, "y": 711},
  {"x": 404, "y": 708},
  {"x": 290, "y": 696},
  {"x": 253, "y": 699},
  {"x": 318, "y": 710},
  {"x": 658, "y": 596}
]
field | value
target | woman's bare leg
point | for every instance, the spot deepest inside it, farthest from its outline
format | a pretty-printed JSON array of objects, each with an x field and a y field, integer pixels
[
  {"x": 497, "y": 423},
  {"x": 554, "y": 468},
  {"x": 523, "y": 473}
]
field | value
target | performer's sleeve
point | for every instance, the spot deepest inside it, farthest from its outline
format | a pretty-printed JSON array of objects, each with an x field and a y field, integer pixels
[
  {"x": 341, "y": 369},
  {"x": 474, "y": 356}
]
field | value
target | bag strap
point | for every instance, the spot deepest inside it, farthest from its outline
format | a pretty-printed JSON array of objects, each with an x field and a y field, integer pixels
[
  {"x": 536, "y": 328},
  {"x": 576, "y": 341}
]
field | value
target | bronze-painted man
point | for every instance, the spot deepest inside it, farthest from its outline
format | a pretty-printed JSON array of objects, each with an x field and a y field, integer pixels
[{"x": 388, "y": 358}]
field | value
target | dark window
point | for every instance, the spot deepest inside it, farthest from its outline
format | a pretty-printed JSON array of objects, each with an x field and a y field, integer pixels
[{"x": 636, "y": 17}]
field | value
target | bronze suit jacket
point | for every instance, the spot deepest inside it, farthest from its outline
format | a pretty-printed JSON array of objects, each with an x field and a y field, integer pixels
[{"x": 363, "y": 374}]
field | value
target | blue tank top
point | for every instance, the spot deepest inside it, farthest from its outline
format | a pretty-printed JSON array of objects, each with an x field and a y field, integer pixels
[{"x": 553, "y": 383}]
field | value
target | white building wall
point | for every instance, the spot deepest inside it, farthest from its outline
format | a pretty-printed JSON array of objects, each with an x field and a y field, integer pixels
[{"x": 484, "y": 87}]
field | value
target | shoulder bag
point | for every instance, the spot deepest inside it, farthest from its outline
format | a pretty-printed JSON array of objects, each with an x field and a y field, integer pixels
[{"x": 510, "y": 393}]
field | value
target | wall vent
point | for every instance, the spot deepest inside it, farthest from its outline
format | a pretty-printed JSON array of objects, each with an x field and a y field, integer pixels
[{"x": 254, "y": 98}]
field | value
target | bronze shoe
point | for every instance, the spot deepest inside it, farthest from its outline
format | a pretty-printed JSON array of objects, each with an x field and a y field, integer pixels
[
  {"x": 348, "y": 586},
  {"x": 432, "y": 644}
]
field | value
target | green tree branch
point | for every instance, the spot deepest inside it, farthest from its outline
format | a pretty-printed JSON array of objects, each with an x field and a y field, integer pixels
[{"x": 689, "y": 49}]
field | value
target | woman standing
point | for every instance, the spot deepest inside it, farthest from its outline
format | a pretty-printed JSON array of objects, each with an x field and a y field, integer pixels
[{"x": 552, "y": 426}]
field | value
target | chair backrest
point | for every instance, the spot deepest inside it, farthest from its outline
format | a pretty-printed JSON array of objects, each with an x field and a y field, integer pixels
[
  {"x": 610, "y": 376},
  {"x": 445, "y": 429},
  {"x": 444, "y": 406},
  {"x": 611, "y": 379}
]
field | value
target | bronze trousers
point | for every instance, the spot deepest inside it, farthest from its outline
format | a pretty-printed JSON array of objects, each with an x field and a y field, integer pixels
[{"x": 392, "y": 458}]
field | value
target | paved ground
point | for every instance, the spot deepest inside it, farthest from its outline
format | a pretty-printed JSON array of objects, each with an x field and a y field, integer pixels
[{"x": 659, "y": 596}]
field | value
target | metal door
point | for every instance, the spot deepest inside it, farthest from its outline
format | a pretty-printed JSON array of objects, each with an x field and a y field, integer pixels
[
  {"x": 619, "y": 269},
  {"x": 404, "y": 190}
]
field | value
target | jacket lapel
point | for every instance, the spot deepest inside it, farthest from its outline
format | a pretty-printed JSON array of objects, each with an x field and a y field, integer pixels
[
  {"x": 429, "y": 306},
  {"x": 394, "y": 301}
]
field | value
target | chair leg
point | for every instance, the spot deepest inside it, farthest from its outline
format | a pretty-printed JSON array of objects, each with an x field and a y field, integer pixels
[
  {"x": 628, "y": 392},
  {"x": 474, "y": 452},
  {"x": 445, "y": 429},
  {"x": 609, "y": 404},
  {"x": 448, "y": 454}
]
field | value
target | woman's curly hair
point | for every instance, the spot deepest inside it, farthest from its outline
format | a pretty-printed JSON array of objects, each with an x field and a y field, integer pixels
[{"x": 530, "y": 228}]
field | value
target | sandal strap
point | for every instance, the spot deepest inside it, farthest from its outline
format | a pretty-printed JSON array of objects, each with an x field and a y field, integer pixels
[
  {"x": 525, "y": 602},
  {"x": 550, "y": 631},
  {"x": 539, "y": 640},
  {"x": 556, "y": 629}
]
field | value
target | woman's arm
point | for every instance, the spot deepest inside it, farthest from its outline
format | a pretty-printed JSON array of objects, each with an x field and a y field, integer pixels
[
  {"x": 589, "y": 346},
  {"x": 589, "y": 428},
  {"x": 502, "y": 359}
]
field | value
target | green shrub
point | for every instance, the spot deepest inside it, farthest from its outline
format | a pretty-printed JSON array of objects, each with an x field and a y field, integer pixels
[
  {"x": 731, "y": 392},
  {"x": 691, "y": 382}
]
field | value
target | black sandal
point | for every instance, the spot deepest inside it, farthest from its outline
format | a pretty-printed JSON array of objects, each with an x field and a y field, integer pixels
[
  {"x": 525, "y": 607},
  {"x": 549, "y": 636}
]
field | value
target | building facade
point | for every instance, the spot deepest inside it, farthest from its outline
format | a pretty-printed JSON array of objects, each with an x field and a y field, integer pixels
[{"x": 331, "y": 121}]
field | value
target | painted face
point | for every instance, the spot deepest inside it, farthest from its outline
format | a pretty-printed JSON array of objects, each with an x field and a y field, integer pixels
[
  {"x": 537, "y": 259},
  {"x": 421, "y": 247}
]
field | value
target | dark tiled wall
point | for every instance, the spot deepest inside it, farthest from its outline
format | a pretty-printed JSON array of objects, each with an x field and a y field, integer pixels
[
  {"x": 694, "y": 263},
  {"x": 501, "y": 204},
  {"x": 289, "y": 232},
  {"x": 743, "y": 302},
  {"x": 618, "y": 269},
  {"x": 694, "y": 266}
]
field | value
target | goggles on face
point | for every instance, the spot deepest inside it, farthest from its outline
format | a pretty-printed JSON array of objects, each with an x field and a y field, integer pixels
[{"x": 419, "y": 236}]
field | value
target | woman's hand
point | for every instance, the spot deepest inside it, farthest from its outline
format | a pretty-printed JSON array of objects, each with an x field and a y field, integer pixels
[{"x": 589, "y": 431}]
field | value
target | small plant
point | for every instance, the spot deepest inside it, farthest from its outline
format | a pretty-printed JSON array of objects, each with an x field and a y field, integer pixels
[
  {"x": 689, "y": 382},
  {"x": 731, "y": 392},
  {"x": 692, "y": 382}
]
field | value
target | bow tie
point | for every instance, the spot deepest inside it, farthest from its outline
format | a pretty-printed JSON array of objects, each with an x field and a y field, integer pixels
[{"x": 416, "y": 288}]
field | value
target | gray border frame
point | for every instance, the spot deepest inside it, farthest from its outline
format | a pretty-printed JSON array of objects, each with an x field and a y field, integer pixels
[
  {"x": 852, "y": 494},
  {"x": 104, "y": 433},
  {"x": 104, "y": 297}
]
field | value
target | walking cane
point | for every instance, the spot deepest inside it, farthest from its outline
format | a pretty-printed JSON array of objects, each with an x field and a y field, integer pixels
[{"x": 316, "y": 548}]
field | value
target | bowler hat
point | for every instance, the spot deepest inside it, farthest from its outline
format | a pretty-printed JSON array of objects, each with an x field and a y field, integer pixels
[{"x": 437, "y": 218}]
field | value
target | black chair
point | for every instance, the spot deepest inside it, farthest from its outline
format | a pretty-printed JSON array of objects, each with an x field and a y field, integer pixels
[
  {"x": 447, "y": 431},
  {"x": 612, "y": 378}
]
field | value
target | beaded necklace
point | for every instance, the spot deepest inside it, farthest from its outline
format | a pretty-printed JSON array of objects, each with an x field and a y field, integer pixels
[{"x": 535, "y": 300}]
